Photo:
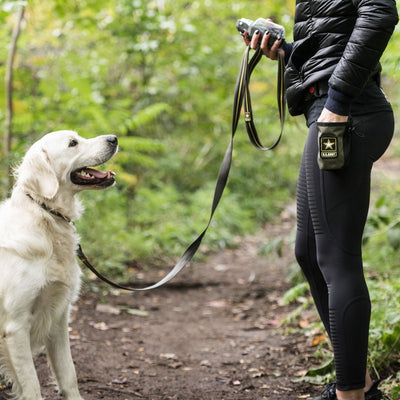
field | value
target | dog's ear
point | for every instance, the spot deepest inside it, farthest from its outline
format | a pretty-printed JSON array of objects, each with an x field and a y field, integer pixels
[{"x": 36, "y": 175}]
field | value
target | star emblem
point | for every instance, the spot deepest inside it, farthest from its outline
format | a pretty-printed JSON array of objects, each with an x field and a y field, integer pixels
[{"x": 329, "y": 145}]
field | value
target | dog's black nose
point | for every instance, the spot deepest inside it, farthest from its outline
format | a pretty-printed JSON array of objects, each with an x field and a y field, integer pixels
[{"x": 112, "y": 139}]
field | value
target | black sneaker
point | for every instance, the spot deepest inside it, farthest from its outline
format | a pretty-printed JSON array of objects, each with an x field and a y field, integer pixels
[
  {"x": 329, "y": 392},
  {"x": 374, "y": 393}
]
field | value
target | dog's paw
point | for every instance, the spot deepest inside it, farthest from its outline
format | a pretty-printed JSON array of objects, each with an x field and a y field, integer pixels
[{"x": 75, "y": 396}]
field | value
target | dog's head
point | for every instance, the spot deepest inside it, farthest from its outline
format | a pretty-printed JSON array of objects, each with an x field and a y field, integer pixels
[{"x": 63, "y": 161}]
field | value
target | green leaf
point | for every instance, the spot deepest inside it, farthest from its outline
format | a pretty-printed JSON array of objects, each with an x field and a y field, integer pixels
[{"x": 295, "y": 292}]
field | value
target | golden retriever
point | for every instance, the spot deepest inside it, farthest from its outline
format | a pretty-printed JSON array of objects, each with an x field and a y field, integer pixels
[{"x": 40, "y": 277}]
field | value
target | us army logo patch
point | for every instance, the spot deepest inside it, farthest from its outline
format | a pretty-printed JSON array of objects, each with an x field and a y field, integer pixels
[{"x": 328, "y": 147}]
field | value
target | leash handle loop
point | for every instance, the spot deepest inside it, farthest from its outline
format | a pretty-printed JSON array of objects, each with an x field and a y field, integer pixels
[{"x": 281, "y": 99}]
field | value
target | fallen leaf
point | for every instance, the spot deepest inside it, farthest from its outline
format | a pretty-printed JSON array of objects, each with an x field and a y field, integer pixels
[
  {"x": 251, "y": 277},
  {"x": 120, "y": 381},
  {"x": 221, "y": 267},
  {"x": 101, "y": 326},
  {"x": 255, "y": 373},
  {"x": 304, "y": 323},
  {"x": 205, "y": 363},
  {"x": 217, "y": 303},
  {"x": 135, "y": 311},
  {"x": 169, "y": 356},
  {"x": 265, "y": 387},
  {"x": 74, "y": 335},
  {"x": 106, "y": 308},
  {"x": 175, "y": 364},
  {"x": 318, "y": 339}
]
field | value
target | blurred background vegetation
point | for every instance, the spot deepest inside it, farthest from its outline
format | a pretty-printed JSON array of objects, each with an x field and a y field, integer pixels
[{"x": 160, "y": 74}]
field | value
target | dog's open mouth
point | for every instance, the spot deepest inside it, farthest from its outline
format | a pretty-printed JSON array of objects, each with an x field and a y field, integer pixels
[{"x": 92, "y": 177}]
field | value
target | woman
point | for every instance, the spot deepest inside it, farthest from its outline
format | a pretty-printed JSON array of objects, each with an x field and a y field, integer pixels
[{"x": 332, "y": 77}]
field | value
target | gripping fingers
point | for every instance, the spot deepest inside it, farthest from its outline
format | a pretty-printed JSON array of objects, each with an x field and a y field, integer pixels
[
  {"x": 271, "y": 52},
  {"x": 245, "y": 38},
  {"x": 255, "y": 40}
]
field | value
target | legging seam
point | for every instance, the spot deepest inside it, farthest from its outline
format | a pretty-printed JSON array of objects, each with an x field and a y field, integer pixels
[{"x": 326, "y": 220}]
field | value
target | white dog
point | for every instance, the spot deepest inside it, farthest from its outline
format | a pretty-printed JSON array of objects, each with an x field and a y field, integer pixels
[{"x": 39, "y": 274}]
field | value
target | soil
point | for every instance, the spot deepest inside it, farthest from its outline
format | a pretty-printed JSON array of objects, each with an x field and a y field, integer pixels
[{"x": 213, "y": 333}]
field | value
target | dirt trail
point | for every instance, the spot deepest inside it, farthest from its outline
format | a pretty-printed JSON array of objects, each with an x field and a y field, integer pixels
[{"x": 210, "y": 334}]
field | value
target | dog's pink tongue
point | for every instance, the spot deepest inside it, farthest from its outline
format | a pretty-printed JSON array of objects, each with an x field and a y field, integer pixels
[{"x": 99, "y": 174}]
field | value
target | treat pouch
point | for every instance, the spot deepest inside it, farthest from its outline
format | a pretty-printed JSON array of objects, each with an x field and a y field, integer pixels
[{"x": 334, "y": 143}]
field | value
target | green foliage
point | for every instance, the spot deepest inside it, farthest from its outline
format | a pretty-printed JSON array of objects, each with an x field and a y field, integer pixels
[
  {"x": 322, "y": 374},
  {"x": 294, "y": 293},
  {"x": 382, "y": 253},
  {"x": 160, "y": 75},
  {"x": 121, "y": 232},
  {"x": 385, "y": 326}
]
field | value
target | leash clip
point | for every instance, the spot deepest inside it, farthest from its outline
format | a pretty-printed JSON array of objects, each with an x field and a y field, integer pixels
[{"x": 247, "y": 116}]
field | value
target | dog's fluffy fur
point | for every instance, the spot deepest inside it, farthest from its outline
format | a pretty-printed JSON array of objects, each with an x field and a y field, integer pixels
[{"x": 39, "y": 274}]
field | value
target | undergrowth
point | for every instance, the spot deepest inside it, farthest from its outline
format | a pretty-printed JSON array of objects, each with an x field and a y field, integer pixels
[{"x": 156, "y": 218}]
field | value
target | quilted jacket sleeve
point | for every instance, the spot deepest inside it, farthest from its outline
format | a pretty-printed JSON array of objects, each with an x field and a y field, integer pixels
[{"x": 373, "y": 29}]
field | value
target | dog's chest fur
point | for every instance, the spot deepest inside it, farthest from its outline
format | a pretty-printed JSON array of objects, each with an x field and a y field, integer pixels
[
  {"x": 44, "y": 277},
  {"x": 61, "y": 280},
  {"x": 62, "y": 267}
]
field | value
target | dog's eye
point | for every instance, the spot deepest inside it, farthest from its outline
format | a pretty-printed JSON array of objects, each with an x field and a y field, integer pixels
[{"x": 72, "y": 143}]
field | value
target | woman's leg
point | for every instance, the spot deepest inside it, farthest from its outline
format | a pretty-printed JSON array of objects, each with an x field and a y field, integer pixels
[
  {"x": 338, "y": 204},
  {"x": 305, "y": 248}
]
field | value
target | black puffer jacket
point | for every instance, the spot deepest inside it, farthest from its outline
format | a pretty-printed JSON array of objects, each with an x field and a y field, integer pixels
[{"x": 340, "y": 41}]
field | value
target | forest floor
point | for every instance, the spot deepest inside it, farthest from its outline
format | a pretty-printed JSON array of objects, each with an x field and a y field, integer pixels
[{"x": 212, "y": 333}]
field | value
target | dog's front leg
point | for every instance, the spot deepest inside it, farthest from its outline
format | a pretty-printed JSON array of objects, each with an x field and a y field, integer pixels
[
  {"x": 19, "y": 354},
  {"x": 59, "y": 353}
]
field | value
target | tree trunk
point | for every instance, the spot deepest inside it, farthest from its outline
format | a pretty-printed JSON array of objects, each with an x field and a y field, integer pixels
[{"x": 9, "y": 92}]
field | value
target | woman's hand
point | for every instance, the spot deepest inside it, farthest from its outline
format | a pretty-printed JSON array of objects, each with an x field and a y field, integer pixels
[
  {"x": 329, "y": 116},
  {"x": 271, "y": 52}
]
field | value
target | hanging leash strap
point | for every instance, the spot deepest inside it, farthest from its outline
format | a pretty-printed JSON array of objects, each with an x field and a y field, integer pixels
[
  {"x": 243, "y": 92},
  {"x": 242, "y": 97}
]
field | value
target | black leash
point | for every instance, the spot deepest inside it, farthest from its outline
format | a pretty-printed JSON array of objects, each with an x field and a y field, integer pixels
[
  {"x": 242, "y": 97},
  {"x": 242, "y": 91}
]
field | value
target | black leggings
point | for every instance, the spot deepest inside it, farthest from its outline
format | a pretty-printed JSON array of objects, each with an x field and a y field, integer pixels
[{"x": 332, "y": 208}]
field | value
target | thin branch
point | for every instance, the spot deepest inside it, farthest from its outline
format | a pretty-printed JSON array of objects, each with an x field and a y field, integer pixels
[{"x": 9, "y": 85}]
